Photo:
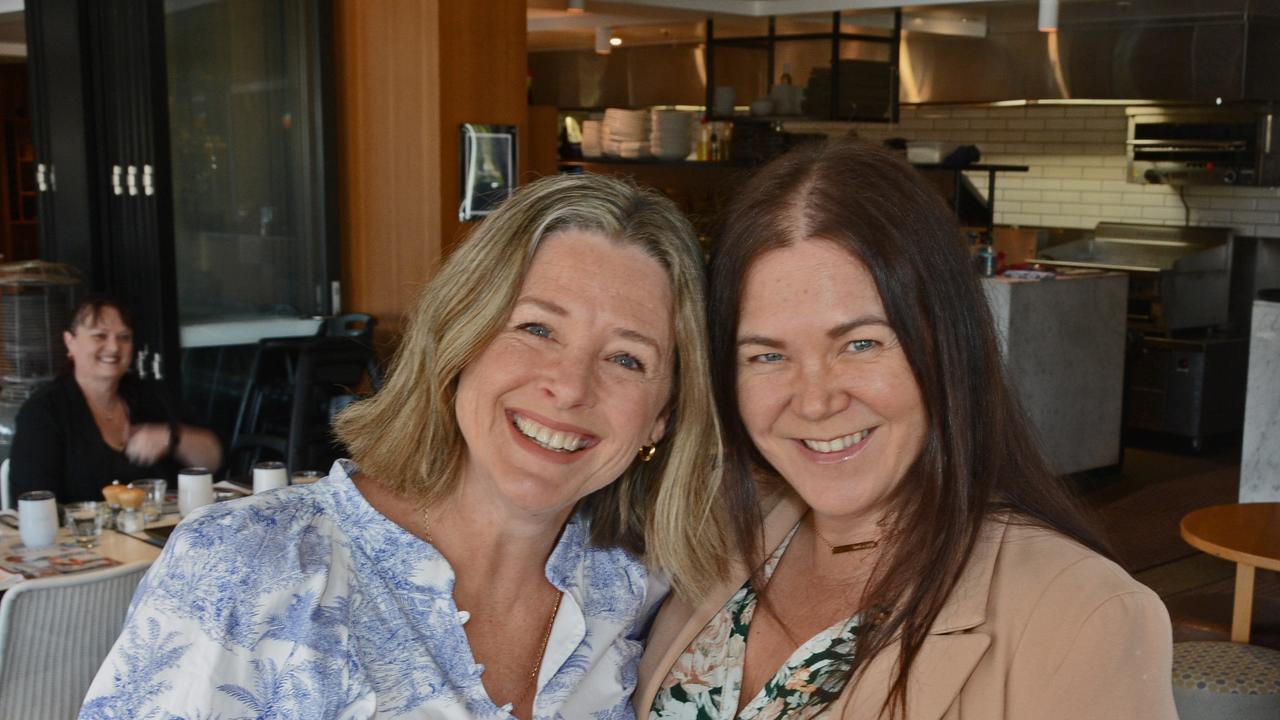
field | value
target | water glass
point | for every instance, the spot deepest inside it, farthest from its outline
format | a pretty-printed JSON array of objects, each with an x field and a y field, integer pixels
[
  {"x": 306, "y": 477},
  {"x": 37, "y": 518},
  {"x": 85, "y": 521},
  {"x": 153, "y": 504},
  {"x": 269, "y": 476},
  {"x": 195, "y": 489}
]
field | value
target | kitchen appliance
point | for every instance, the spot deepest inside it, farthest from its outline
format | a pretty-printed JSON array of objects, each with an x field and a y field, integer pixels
[
  {"x": 1179, "y": 277},
  {"x": 1185, "y": 372},
  {"x": 1234, "y": 145}
]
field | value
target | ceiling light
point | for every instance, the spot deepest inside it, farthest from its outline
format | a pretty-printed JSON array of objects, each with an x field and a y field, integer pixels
[
  {"x": 576, "y": 7},
  {"x": 1048, "y": 15},
  {"x": 615, "y": 41}
]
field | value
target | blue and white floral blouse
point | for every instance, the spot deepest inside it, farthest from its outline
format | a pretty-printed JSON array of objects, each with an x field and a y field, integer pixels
[{"x": 306, "y": 602}]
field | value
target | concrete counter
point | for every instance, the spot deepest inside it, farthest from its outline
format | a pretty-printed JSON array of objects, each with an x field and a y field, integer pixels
[{"x": 1063, "y": 342}]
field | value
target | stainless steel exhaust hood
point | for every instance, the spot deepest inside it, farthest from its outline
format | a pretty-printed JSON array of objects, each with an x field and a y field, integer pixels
[
  {"x": 1198, "y": 51},
  {"x": 1172, "y": 50}
]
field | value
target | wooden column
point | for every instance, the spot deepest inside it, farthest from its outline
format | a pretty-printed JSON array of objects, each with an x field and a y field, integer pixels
[{"x": 408, "y": 72}]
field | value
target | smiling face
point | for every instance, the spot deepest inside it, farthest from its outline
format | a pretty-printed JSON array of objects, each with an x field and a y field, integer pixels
[
  {"x": 577, "y": 380},
  {"x": 824, "y": 388},
  {"x": 100, "y": 348}
]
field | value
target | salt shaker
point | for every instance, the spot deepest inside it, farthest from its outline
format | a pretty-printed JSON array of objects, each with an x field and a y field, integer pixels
[{"x": 130, "y": 518}]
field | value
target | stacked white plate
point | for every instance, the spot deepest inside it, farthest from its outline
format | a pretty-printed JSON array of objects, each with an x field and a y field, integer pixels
[
  {"x": 592, "y": 146},
  {"x": 672, "y": 134},
  {"x": 625, "y": 133}
]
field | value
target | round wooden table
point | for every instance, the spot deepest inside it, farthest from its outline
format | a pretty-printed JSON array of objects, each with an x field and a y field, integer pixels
[{"x": 1247, "y": 534}]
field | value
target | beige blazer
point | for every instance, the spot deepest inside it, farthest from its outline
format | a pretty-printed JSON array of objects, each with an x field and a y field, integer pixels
[{"x": 1038, "y": 628}]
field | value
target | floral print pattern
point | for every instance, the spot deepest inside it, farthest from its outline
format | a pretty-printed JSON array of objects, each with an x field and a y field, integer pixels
[
  {"x": 306, "y": 602},
  {"x": 706, "y": 681}
]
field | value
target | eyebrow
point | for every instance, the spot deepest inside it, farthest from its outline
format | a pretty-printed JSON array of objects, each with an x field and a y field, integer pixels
[
  {"x": 833, "y": 333},
  {"x": 625, "y": 333},
  {"x": 547, "y": 305}
]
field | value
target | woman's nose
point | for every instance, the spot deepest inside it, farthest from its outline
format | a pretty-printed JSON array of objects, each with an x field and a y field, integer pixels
[
  {"x": 570, "y": 380},
  {"x": 818, "y": 395}
]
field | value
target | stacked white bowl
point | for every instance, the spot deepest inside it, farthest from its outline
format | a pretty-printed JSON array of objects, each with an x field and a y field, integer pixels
[
  {"x": 625, "y": 133},
  {"x": 592, "y": 146},
  {"x": 672, "y": 134}
]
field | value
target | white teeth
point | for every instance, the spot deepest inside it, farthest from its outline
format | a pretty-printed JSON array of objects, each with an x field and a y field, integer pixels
[
  {"x": 840, "y": 443},
  {"x": 557, "y": 440}
]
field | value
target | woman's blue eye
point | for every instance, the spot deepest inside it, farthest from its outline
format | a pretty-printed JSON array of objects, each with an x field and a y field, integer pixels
[
  {"x": 772, "y": 357},
  {"x": 536, "y": 329},
  {"x": 629, "y": 362},
  {"x": 861, "y": 345}
]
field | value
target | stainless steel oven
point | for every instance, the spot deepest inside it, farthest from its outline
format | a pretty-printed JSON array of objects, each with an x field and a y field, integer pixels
[{"x": 1235, "y": 145}]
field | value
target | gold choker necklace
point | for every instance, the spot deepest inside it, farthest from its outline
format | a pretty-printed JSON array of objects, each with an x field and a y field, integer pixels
[{"x": 837, "y": 549}]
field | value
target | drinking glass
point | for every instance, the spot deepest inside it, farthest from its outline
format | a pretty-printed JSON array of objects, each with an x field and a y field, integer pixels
[
  {"x": 269, "y": 476},
  {"x": 85, "y": 521},
  {"x": 153, "y": 505},
  {"x": 195, "y": 489},
  {"x": 37, "y": 518},
  {"x": 306, "y": 477}
]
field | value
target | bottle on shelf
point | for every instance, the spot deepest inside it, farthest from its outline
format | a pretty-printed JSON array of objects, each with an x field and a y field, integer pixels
[
  {"x": 715, "y": 145},
  {"x": 703, "y": 150},
  {"x": 786, "y": 74}
]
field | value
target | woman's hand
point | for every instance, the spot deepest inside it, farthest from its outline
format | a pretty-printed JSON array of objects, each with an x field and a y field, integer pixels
[{"x": 147, "y": 443}]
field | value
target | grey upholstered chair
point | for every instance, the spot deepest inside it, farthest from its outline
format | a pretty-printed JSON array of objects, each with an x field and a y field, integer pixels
[{"x": 54, "y": 633}]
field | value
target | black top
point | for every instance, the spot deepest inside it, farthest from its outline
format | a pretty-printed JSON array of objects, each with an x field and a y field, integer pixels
[{"x": 57, "y": 445}]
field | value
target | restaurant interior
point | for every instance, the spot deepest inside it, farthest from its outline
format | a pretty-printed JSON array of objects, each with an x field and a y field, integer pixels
[{"x": 269, "y": 183}]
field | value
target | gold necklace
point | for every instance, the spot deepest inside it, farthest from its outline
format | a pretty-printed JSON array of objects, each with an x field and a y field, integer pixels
[
  {"x": 546, "y": 634},
  {"x": 837, "y": 549},
  {"x": 542, "y": 649}
]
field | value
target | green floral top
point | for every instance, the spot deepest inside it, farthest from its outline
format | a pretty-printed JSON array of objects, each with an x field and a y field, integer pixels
[{"x": 705, "y": 683}]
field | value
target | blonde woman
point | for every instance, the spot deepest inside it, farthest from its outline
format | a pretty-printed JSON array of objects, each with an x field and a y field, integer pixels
[{"x": 544, "y": 438}]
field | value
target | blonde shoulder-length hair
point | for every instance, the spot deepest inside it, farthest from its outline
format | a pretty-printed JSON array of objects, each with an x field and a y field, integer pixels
[{"x": 407, "y": 434}]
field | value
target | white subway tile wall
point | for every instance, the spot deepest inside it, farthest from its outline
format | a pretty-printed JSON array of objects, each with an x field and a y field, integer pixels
[{"x": 1076, "y": 156}]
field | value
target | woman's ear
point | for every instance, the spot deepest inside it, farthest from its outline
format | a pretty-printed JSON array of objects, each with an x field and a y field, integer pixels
[
  {"x": 67, "y": 339},
  {"x": 660, "y": 426}
]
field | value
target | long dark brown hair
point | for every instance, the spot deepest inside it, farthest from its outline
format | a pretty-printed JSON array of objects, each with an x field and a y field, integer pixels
[{"x": 978, "y": 457}]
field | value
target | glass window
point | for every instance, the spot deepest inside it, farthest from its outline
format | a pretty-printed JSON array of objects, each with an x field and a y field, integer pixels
[{"x": 249, "y": 222}]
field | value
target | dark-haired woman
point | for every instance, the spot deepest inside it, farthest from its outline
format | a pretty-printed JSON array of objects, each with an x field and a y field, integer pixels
[
  {"x": 97, "y": 422},
  {"x": 916, "y": 556}
]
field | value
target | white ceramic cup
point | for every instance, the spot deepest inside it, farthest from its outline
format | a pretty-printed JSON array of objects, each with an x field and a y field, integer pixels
[
  {"x": 37, "y": 518},
  {"x": 269, "y": 476},
  {"x": 195, "y": 489}
]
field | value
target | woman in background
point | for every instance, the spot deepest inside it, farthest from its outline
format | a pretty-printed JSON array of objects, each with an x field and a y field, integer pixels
[
  {"x": 916, "y": 558},
  {"x": 97, "y": 422}
]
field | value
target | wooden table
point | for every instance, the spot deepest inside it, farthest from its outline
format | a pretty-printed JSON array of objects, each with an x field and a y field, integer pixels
[{"x": 1247, "y": 534}]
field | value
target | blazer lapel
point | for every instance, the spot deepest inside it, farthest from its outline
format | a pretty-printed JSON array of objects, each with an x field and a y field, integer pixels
[
  {"x": 678, "y": 623},
  {"x": 948, "y": 655}
]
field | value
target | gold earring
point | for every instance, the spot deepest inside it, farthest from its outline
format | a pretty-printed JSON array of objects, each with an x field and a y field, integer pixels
[{"x": 647, "y": 451}]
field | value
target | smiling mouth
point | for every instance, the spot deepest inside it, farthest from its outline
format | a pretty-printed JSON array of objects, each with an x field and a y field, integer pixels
[
  {"x": 547, "y": 438},
  {"x": 835, "y": 445}
]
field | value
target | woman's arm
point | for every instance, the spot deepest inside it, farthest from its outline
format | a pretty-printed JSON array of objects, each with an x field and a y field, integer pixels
[
  {"x": 37, "y": 457},
  {"x": 189, "y": 445}
]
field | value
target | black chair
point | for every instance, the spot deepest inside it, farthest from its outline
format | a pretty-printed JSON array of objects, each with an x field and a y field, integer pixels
[{"x": 289, "y": 414}]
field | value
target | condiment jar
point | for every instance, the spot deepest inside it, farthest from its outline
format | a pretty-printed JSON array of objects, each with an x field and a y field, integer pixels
[
  {"x": 130, "y": 518},
  {"x": 111, "y": 493}
]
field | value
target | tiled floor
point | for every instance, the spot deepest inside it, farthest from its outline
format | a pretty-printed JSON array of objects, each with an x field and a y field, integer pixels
[{"x": 1141, "y": 506}]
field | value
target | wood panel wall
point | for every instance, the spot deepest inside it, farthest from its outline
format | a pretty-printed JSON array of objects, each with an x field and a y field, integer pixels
[
  {"x": 408, "y": 72},
  {"x": 484, "y": 79}
]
